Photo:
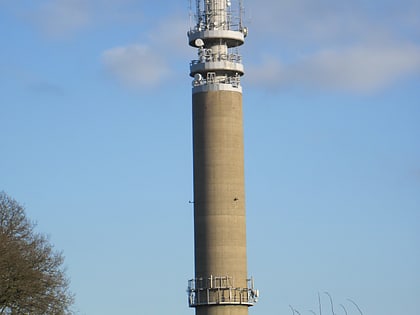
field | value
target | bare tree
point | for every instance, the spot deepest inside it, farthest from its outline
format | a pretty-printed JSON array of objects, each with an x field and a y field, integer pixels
[{"x": 32, "y": 277}]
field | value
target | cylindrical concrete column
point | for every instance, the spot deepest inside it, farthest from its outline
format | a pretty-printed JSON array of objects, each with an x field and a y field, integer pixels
[{"x": 219, "y": 197}]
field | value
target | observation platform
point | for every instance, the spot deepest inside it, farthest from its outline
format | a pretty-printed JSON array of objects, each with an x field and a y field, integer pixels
[
  {"x": 230, "y": 37},
  {"x": 214, "y": 66}
]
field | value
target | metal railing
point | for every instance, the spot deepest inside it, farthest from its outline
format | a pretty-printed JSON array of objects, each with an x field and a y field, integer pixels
[
  {"x": 211, "y": 78},
  {"x": 206, "y": 55},
  {"x": 220, "y": 290}
]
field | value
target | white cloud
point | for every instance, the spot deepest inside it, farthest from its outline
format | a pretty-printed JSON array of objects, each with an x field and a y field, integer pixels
[
  {"x": 117, "y": 12},
  {"x": 357, "y": 68},
  {"x": 267, "y": 72},
  {"x": 170, "y": 36},
  {"x": 62, "y": 17},
  {"x": 151, "y": 63},
  {"x": 302, "y": 22},
  {"x": 355, "y": 46},
  {"x": 360, "y": 68},
  {"x": 136, "y": 66}
]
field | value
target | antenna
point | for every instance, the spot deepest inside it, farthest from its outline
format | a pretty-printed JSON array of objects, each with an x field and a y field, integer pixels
[
  {"x": 217, "y": 31},
  {"x": 199, "y": 43}
]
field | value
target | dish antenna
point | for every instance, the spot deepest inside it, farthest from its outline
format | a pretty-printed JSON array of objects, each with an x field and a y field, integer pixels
[
  {"x": 198, "y": 77},
  {"x": 199, "y": 42}
]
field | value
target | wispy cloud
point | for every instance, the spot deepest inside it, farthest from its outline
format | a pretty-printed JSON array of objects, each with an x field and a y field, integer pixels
[
  {"x": 354, "y": 46},
  {"x": 30, "y": 81},
  {"x": 62, "y": 17},
  {"x": 301, "y": 22},
  {"x": 136, "y": 66},
  {"x": 354, "y": 68},
  {"x": 149, "y": 63},
  {"x": 170, "y": 35}
]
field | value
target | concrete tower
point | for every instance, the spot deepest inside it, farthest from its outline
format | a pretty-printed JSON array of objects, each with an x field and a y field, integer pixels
[{"x": 221, "y": 285}]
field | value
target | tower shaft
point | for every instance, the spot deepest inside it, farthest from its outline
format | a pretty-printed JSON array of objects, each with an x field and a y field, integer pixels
[{"x": 219, "y": 207}]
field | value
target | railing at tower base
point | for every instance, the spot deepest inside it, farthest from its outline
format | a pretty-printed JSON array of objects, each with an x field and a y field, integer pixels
[{"x": 220, "y": 290}]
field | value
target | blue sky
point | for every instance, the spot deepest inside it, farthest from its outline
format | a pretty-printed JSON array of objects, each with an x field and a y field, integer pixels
[{"x": 95, "y": 129}]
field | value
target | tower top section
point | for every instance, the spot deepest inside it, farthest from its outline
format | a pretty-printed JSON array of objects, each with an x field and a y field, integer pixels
[
  {"x": 218, "y": 18},
  {"x": 216, "y": 29}
]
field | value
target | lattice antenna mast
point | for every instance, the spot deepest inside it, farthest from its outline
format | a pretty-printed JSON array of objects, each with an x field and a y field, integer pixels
[{"x": 217, "y": 31}]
